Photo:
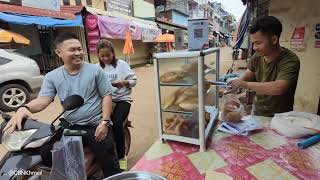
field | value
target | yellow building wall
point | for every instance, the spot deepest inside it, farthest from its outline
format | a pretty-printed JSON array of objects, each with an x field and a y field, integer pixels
[{"x": 296, "y": 13}]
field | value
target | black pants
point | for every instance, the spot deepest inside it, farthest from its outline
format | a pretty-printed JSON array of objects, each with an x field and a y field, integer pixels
[
  {"x": 104, "y": 151},
  {"x": 119, "y": 116}
]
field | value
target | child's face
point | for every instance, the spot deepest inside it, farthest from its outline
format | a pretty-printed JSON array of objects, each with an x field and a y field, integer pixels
[{"x": 105, "y": 55}]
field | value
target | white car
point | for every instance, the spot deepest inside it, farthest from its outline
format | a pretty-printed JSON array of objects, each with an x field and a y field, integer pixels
[{"x": 19, "y": 77}]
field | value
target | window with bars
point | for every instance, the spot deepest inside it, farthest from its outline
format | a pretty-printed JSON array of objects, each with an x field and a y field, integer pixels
[
  {"x": 78, "y": 2},
  {"x": 66, "y": 2},
  {"x": 105, "y": 5},
  {"x": 89, "y": 2}
]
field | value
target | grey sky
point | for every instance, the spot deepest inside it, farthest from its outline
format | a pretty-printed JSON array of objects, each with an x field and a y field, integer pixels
[{"x": 234, "y": 7}]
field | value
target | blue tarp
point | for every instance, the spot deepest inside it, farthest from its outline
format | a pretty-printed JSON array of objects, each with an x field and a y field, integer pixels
[
  {"x": 244, "y": 23},
  {"x": 39, "y": 20}
]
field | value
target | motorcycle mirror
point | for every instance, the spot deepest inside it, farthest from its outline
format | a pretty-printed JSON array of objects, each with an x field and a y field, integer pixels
[{"x": 72, "y": 102}]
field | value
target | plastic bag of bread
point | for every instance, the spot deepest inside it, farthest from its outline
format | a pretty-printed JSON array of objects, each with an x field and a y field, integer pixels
[
  {"x": 232, "y": 109},
  {"x": 296, "y": 124}
]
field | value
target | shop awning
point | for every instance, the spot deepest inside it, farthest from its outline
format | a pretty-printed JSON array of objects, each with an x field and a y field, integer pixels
[
  {"x": 242, "y": 28},
  {"x": 118, "y": 15},
  {"x": 115, "y": 25},
  {"x": 39, "y": 20},
  {"x": 169, "y": 27}
]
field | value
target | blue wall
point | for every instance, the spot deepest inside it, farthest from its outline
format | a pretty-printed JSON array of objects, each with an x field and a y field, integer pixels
[{"x": 179, "y": 18}]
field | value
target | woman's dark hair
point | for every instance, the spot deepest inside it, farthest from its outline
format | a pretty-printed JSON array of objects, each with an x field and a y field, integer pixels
[
  {"x": 105, "y": 43},
  {"x": 267, "y": 25}
]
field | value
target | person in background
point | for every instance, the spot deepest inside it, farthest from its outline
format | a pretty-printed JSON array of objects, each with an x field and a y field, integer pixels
[
  {"x": 272, "y": 71},
  {"x": 123, "y": 79}
]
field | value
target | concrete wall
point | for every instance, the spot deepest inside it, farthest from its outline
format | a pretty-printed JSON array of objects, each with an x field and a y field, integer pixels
[
  {"x": 140, "y": 55},
  {"x": 143, "y": 9},
  {"x": 295, "y": 13}
]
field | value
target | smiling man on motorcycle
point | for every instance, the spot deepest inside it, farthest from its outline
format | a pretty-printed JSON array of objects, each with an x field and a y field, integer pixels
[{"x": 91, "y": 83}]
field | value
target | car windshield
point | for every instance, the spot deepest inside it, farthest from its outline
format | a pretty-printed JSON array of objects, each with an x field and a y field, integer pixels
[{"x": 4, "y": 60}]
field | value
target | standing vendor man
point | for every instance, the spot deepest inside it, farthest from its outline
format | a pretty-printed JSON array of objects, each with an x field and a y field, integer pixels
[{"x": 272, "y": 71}]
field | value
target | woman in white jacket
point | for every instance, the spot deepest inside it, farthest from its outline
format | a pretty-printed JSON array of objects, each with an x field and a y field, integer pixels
[{"x": 122, "y": 78}]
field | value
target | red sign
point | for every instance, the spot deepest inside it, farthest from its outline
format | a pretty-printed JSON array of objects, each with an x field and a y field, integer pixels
[
  {"x": 317, "y": 44},
  {"x": 94, "y": 33},
  {"x": 297, "y": 38},
  {"x": 91, "y": 21}
]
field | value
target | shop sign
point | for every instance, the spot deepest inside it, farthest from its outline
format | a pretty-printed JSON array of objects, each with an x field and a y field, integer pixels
[
  {"x": 120, "y": 6},
  {"x": 298, "y": 38}
]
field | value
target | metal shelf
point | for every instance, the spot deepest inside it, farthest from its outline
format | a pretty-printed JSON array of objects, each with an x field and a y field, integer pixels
[
  {"x": 213, "y": 117},
  {"x": 181, "y": 139},
  {"x": 177, "y": 84},
  {"x": 198, "y": 115},
  {"x": 176, "y": 111},
  {"x": 181, "y": 83},
  {"x": 211, "y": 123}
]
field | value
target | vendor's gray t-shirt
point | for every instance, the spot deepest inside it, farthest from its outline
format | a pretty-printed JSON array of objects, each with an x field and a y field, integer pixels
[{"x": 90, "y": 82}]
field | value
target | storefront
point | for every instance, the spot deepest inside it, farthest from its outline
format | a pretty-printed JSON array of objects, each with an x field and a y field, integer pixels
[
  {"x": 114, "y": 27},
  {"x": 40, "y": 27}
]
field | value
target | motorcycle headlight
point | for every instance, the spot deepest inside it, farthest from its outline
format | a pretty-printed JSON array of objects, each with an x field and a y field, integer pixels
[{"x": 14, "y": 141}]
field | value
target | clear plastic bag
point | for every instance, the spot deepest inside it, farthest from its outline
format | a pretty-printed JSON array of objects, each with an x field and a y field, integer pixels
[
  {"x": 296, "y": 124},
  {"x": 232, "y": 109},
  {"x": 68, "y": 162}
]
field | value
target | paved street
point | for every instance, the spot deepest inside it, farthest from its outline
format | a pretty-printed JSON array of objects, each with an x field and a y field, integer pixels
[{"x": 143, "y": 112}]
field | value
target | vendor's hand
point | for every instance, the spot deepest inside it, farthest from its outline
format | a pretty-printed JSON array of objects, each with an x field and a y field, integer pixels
[
  {"x": 118, "y": 83},
  {"x": 101, "y": 132},
  {"x": 16, "y": 119},
  {"x": 238, "y": 83}
]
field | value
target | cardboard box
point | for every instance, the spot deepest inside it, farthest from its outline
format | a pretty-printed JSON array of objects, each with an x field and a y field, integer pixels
[{"x": 198, "y": 34}]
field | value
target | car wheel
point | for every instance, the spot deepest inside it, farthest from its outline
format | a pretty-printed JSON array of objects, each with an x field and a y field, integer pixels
[{"x": 13, "y": 96}]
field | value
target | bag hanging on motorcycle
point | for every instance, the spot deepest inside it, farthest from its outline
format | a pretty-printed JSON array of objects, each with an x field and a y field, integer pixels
[{"x": 68, "y": 161}]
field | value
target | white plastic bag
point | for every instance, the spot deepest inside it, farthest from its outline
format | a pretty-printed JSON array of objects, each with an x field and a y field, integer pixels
[
  {"x": 296, "y": 124},
  {"x": 68, "y": 162}
]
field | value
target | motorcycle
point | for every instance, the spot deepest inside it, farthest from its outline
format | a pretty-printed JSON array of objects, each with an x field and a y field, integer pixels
[{"x": 28, "y": 148}]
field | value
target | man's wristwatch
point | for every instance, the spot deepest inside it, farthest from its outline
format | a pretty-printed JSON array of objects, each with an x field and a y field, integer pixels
[{"x": 107, "y": 122}]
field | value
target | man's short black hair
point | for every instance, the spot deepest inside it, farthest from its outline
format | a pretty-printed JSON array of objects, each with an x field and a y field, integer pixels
[
  {"x": 267, "y": 25},
  {"x": 63, "y": 37}
]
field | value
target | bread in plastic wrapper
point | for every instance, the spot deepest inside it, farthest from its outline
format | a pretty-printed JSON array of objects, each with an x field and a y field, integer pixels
[
  {"x": 232, "y": 109},
  {"x": 296, "y": 124}
]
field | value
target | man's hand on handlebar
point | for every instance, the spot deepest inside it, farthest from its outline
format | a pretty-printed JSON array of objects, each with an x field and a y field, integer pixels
[
  {"x": 101, "y": 132},
  {"x": 16, "y": 119}
]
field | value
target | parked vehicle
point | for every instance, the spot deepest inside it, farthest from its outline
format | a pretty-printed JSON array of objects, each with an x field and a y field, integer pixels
[{"x": 20, "y": 76}]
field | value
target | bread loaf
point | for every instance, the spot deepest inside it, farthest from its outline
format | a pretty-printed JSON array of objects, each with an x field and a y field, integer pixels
[
  {"x": 172, "y": 76},
  {"x": 189, "y": 104}
]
